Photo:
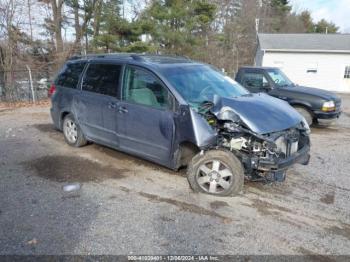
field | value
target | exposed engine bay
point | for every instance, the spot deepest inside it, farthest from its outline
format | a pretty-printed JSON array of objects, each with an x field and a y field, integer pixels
[{"x": 264, "y": 157}]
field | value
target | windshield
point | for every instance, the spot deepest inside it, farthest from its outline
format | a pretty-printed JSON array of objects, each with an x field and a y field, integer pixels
[
  {"x": 199, "y": 83},
  {"x": 279, "y": 77}
]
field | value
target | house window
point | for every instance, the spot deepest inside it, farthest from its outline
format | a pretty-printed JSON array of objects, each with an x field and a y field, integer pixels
[{"x": 347, "y": 72}]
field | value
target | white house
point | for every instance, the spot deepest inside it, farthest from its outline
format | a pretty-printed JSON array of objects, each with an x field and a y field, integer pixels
[{"x": 316, "y": 60}]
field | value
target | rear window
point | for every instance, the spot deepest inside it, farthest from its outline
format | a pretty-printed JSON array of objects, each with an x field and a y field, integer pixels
[
  {"x": 70, "y": 75},
  {"x": 102, "y": 79},
  {"x": 254, "y": 80}
]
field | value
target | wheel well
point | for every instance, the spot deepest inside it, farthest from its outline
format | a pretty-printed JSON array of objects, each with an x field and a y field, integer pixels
[
  {"x": 303, "y": 106},
  {"x": 63, "y": 115},
  {"x": 187, "y": 151}
]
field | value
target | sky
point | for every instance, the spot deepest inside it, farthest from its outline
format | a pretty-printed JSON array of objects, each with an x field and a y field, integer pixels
[{"x": 337, "y": 11}]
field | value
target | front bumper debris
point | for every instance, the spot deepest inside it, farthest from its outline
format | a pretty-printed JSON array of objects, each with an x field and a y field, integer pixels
[
  {"x": 302, "y": 157},
  {"x": 274, "y": 169}
]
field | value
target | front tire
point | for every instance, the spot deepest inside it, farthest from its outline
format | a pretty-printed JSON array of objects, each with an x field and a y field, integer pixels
[
  {"x": 216, "y": 172},
  {"x": 72, "y": 132},
  {"x": 305, "y": 113}
]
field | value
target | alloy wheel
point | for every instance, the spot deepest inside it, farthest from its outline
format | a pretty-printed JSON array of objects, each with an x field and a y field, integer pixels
[
  {"x": 70, "y": 131},
  {"x": 214, "y": 177}
]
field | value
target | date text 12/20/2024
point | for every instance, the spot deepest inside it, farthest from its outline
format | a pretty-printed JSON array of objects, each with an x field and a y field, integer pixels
[{"x": 173, "y": 258}]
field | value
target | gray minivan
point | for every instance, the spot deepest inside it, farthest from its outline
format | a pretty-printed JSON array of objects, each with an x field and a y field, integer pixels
[{"x": 177, "y": 112}]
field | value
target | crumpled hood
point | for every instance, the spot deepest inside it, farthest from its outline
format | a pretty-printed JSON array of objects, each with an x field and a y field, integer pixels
[
  {"x": 260, "y": 112},
  {"x": 324, "y": 94}
]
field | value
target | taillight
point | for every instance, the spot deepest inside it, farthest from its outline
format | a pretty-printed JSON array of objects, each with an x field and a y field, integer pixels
[{"x": 51, "y": 91}]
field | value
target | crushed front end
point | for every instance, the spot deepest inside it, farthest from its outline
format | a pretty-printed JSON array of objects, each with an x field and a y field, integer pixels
[{"x": 264, "y": 156}]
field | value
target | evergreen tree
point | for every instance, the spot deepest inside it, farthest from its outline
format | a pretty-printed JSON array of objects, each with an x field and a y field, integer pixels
[
  {"x": 280, "y": 10},
  {"x": 112, "y": 32},
  {"x": 179, "y": 25},
  {"x": 325, "y": 27}
]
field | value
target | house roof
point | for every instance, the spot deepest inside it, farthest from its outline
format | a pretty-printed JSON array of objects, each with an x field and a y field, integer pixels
[{"x": 337, "y": 43}]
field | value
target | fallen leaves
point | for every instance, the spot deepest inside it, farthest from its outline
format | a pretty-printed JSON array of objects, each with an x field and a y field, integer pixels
[{"x": 9, "y": 105}]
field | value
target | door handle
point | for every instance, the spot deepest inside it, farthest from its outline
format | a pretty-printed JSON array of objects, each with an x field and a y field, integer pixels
[
  {"x": 122, "y": 110},
  {"x": 112, "y": 105}
]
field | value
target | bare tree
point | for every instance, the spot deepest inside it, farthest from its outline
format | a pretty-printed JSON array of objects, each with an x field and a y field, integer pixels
[
  {"x": 9, "y": 35},
  {"x": 6, "y": 49},
  {"x": 56, "y": 6},
  {"x": 85, "y": 10},
  {"x": 30, "y": 19}
]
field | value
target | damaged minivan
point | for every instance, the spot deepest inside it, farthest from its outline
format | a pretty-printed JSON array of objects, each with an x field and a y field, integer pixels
[{"x": 177, "y": 113}]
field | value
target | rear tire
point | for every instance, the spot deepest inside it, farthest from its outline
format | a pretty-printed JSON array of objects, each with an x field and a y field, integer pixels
[
  {"x": 72, "y": 132},
  {"x": 305, "y": 113},
  {"x": 216, "y": 172}
]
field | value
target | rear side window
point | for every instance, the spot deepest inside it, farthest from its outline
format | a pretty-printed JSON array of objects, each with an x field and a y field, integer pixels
[
  {"x": 102, "y": 79},
  {"x": 70, "y": 75}
]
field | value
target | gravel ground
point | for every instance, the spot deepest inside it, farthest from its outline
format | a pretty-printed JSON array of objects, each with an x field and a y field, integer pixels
[{"x": 130, "y": 206}]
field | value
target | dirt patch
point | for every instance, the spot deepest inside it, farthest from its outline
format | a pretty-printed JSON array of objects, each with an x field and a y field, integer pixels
[
  {"x": 324, "y": 130},
  {"x": 54, "y": 133},
  {"x": 166, "y": 219},
  {"x": 125, "y": 189},
  {"x": 112, "y": 197},
  {"x": 39, "y": 115},
  {"x": 73, "y": 169},
  {"x": 265, "y": 208},
  {"x": 218, "y": 204},
  {"x": 135, "y": 160},
  {"x": 274, "y": 188},
  {"x": 344, "y": 230},
  {"x": 41, "y": 103},
  {"x": 186, "y": 206},
  {"x": 328, "y": 198},
  {"x": 342, "y": 188},
  {"x": 5, "y": 110},
  {"x": 46, "y": 128},
  {"x": 71, "y": 197},
  {"x": 312, "y": 256},
  {"x": 50, "y": 130},
  {"x": 219, "y": 240}
]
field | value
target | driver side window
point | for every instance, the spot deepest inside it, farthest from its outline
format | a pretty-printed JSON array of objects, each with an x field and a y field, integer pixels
[
  {"x": 255, "y": 81},
  {"x": 141, "y": 87}
]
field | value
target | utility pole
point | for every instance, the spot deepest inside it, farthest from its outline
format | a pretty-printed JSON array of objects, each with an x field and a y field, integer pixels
[{"x": 257, "y": 19}]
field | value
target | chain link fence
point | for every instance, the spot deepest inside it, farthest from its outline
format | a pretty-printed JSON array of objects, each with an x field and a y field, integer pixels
[{"x": 24, "y": 85}]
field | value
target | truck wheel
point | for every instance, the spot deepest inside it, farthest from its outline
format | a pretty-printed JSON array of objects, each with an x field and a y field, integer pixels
[
  {"x": 305, "y": 113},
  {"x": 216, "y": 172},
  {"x": 72, "y": 132}
]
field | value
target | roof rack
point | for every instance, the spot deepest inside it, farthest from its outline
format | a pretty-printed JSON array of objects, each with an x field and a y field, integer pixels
[
  {"x": 134, "y": 56},
  {"x": 137, "y": 57}
]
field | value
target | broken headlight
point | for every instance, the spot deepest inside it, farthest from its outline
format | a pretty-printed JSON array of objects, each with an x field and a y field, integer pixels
[
  {"x": 227, "y": 114},
  {"x": 305, "y": 125}
]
